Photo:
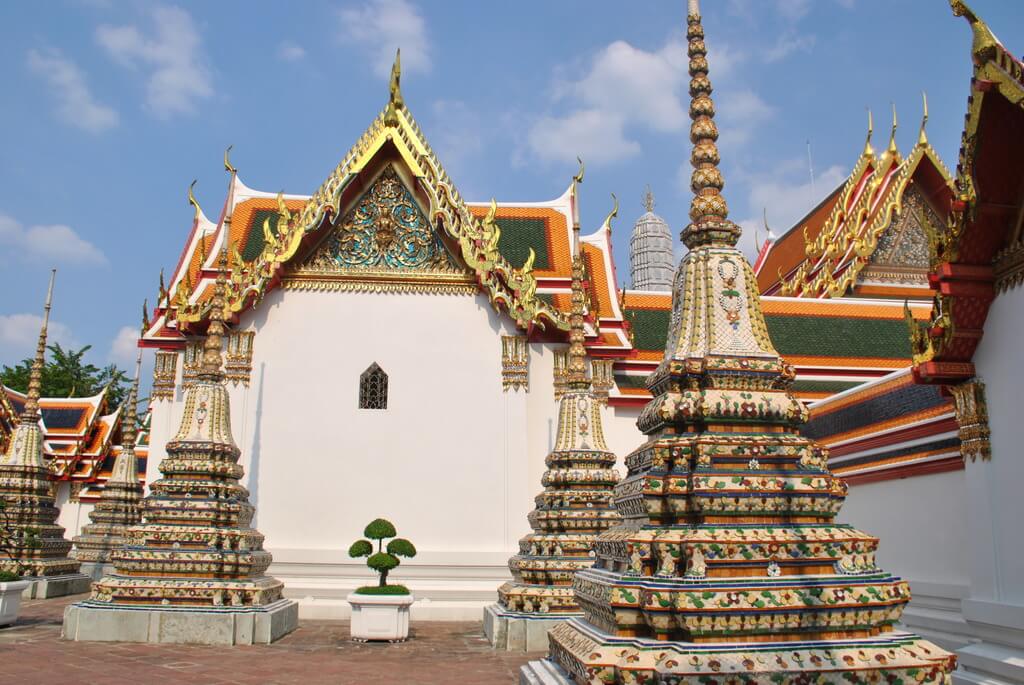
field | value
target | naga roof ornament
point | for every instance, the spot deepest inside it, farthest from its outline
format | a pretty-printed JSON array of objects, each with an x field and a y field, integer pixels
[{"x": 728, "y": 565}]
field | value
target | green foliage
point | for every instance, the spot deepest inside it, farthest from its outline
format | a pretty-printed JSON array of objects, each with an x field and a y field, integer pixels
[
  {"x": 7, "y": 577},
  {"x": 360, "y": 548},
  {"x": 384, "y": 560},
  {"x": 380, "y": 529},
  {"x": 402, "y": 548},
  {"x": 382, "y": 590},
  {"x": 65, "y": 374}
]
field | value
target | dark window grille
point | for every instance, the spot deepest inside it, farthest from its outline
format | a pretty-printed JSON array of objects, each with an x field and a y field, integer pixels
[{"x": 373, "y": 388}]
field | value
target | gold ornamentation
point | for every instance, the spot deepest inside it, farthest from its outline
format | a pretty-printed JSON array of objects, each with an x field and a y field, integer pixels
[
  {"x": 515, "y": 363},
  {"x": 601, "y": 378},
  {"x": 165, "y": 367},
  {"x": 192, "y": 361},
  {"x": 238, "y": 360},
  {"x": 561, "y": 366},
  {"x": 972, "y": 418}
]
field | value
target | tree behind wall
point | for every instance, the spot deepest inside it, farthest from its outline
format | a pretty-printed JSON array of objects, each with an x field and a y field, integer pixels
[{"x": 66, "y": 374}]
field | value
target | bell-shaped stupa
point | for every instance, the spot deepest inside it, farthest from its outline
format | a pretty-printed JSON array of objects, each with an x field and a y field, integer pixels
[
  {"x": 119, "y": 504},
  {"x": 575, "y": 505},
  {"x": 39, "y": 550},
  {"x": 651, "y": 260},
  {"x": 195, "y": 569},
  {"x": 729, "y": 566}
]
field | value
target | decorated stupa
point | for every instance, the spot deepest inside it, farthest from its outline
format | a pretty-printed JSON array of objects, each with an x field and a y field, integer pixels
[
  {"x": 119, "y": 503},
  {"x": 651, "y": 257},
  {"x": 575, "y": 505},
  {"x": 729, "y": 566},
  {"x": 194, "y": 570},
  {"x": 40, "y": 552}
]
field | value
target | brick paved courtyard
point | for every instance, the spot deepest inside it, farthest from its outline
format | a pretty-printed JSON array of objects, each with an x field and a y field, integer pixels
[{"x": 32, "y": 653}]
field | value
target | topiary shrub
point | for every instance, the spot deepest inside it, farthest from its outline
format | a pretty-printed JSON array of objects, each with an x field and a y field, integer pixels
[{"x": 385, "y": 559}]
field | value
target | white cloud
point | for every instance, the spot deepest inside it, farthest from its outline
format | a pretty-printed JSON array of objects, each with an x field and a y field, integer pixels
[
  {"x": 788, "y": 43},
  {"x": 124, "y": 347},
  {"x": 383, "y": 26},
  {"x": 19, "y": 333},
  {"x": 75, "y": 102},
  {"x": 52, "y": 243},
  {"x": 593, "y": 134},
  {"x": 741, "y": 111},
  {"x": 172, "y": 55},
  {"x": 787, "y": 196},
  {"x": 290, "y": 52}
]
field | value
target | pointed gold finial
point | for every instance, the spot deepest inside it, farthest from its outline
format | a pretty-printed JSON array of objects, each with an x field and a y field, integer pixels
[
  {"x": 395, "y": 101},
  {"x": 648, "y": 199},
  {"x": 893, "y": 150},
  {"x": 607, "y": 225},
  {"x": 922, "y": 135},
  {"x": 574, "y": 196},
  {"x": 228, "y": 167},
  {"x": 35, "y": 377},
  {"x": 145, "y": 317},
  {"x": 709, "y": 212},
  {"x": 192, "y": 198},
  {"x": 211, "y": 364},
  {"x": 868, "y": 150}
]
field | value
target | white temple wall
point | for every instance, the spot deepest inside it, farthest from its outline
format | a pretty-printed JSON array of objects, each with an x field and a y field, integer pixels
[
  {"x": 73, "y": 515},
  {"x": 621, "y": 433}
]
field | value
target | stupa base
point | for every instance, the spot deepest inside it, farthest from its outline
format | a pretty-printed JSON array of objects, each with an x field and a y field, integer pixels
[
  {"x": 90, "y": 621},
  {"x": 97, "y": 569},
  {"x": 543, "y": 672},
  {"x": 47, "y": 587},
  {"x": 519, "y": 632},
  {"x": 579, "y": 648}
]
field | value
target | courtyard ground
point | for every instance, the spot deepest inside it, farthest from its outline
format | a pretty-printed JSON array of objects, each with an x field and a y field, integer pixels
[{"x": 32, "y": 653}]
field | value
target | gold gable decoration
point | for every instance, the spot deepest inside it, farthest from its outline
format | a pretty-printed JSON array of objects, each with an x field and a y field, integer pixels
[{"x": 165, "y": 369}]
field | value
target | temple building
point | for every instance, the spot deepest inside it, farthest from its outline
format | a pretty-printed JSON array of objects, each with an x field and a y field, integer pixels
[
  {"x": 652, "y": 261},
  {"x": 728, "y": 562},
  {"x": 575, "y": 505}
]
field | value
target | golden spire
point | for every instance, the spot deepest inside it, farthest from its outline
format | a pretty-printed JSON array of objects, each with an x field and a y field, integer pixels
[
  {"x": 395, "y": 101},
  {"x": 576, "y": 370},
  {"x": 893, "y": 150},
  {"x": 648, "y": 199},
  {"x": 210, "y": 368},
  {"x": 145, "y": 316},
  {"x": 131, "y": 407},
  {"x": 228, "y": 167},
  {"x": 35, "y": 378},
  {"x": 868, "y": 150},
  {"x": 709, "y": 211},
  {"x": 922, "y": 136}
]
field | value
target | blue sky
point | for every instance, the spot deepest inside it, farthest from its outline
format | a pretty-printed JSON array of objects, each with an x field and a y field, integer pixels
[{"x": 110, "y": 109}]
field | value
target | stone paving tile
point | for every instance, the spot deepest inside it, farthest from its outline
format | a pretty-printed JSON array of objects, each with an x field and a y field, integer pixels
[{"x": 32, "y": 653}]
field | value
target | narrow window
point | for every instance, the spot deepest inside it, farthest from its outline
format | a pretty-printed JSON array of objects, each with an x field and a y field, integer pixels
[{"x": 373, "y": 388}]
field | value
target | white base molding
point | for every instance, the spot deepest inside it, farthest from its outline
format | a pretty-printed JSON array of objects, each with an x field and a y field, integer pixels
[
  {"x": 379, "y": 617},
  {"x": 96, "y": 570},
  {"x": 543, "y": 672},
  {"x": 100, "y": 622},
  {"x": 46, "y": 587},
  {"x": 518, "y": 632}
]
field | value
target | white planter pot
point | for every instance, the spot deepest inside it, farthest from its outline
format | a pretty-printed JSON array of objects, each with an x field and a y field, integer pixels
[
  {"x": 10, "y": 600},
  {"x": 380, "y": 617}
]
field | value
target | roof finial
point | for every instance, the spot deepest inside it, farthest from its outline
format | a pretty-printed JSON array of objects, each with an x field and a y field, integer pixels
[
  {"x": 145, "y": 316},
  {"x": 130, "y": 416},
  {"x": 211, "y": 364},
  {"x": 893, "y": 150},
  {"x": 395, "y": 101},
  {"x": 228, "y": 167},
  {"x": 709, "y": 212},
  {"x": 35, "y": 377},
  {"x": 868, "y": 150},
  {"x": 576, "y": 371},
  {"x": 648, "y": 199},
  {"x": 922, "y": 136},
  {"x": 192, "y": 198},
  {"x": 574, "y": 196},
  {"x": 607, "y": 225}
]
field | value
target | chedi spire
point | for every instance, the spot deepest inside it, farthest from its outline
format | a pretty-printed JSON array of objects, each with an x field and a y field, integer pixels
[
  {"x": 729, "y": 565},
  {"x": 195, "y": 560},
  {"x": 575, "y": 505}
]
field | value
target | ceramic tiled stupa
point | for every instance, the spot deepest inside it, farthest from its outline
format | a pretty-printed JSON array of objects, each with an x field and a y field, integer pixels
[
  {"x": 194, "y": 570},
  {"x": 25, "y": 487},
  {"x": 729, "y": 566},
  {"x": 574, "y": 507},
  {"x": 119, "y": 504}
]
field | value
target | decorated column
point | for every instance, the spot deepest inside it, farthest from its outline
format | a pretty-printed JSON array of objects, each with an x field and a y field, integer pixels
[
  {"x": 195, "y": 570},
  {"x": 574, "y": 507},
  {"x": 119, "y": 504},
  {"x": 41, "y": 551},
  {"x": 729, "y": 566}
]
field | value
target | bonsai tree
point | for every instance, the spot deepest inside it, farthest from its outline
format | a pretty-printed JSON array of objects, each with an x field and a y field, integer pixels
[
  {"x": 13, "y": 541},
  {"x": 385, "y": 559}
]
